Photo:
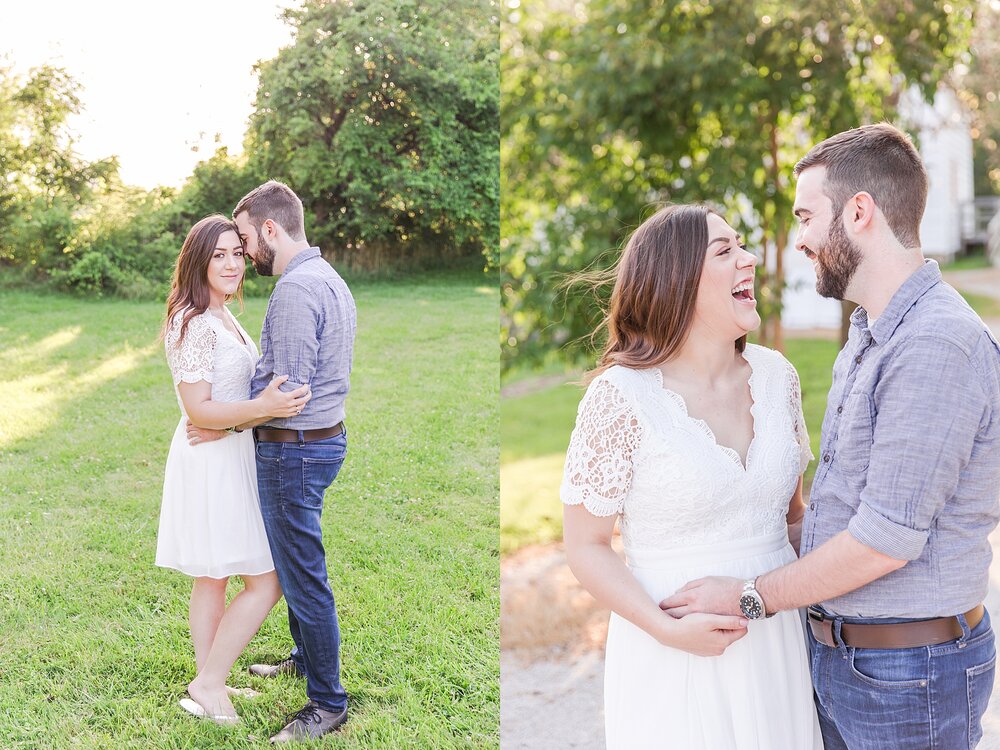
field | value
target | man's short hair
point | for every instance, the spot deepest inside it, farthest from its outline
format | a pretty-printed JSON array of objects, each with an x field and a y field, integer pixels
[
  {"x": 276, "y": 201},
  {"x": 881, "y": 161}
]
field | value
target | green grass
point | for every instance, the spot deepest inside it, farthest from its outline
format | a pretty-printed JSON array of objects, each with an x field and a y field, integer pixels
[
  {"x": 985, "y": 307},
  {"x": 973, "y": 260},
  {"x": 94, "y": 648},
  {"x": 535, "y": 429}
]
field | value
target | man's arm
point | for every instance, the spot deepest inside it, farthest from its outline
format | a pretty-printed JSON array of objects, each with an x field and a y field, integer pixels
[
  {"x": 925, "y": 432},
  {"x": 836, "y": 567}
]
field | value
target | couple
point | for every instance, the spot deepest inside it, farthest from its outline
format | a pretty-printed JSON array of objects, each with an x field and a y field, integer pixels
[
  {"x": 699, "y": 446},
  {"x": 259, "y": 441}
]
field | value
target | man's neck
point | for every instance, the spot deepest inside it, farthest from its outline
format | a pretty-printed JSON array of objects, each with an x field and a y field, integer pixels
[
  {"x": 285, "y": 255},
  {"x": 874, "y": 287}
]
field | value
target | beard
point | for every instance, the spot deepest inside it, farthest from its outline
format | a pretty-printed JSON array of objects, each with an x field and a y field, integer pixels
[
  {"x": 836, "y": 262},
  {"x": 263, "y": 259}
]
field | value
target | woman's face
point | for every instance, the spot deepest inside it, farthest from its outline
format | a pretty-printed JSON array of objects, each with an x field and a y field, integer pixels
[
  {"x": 725, "y": 302},
  {"x": 226, "y": 266}
]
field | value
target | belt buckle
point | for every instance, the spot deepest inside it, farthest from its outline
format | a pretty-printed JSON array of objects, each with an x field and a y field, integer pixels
[{"x": 815, "y": 614}]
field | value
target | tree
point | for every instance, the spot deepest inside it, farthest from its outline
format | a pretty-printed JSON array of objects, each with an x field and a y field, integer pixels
[
  {"x": 612, "y": 107},
  {"x": 384, "y": 119},
  {"x": 45, "y": 184}
]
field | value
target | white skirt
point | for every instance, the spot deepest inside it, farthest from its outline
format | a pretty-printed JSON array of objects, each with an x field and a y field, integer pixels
[
  {"x": 756, "y": 696},
  {"x": 210, "y": 522}
]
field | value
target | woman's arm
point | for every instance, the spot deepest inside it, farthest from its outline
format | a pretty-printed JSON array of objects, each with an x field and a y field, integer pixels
[
  {"x": 796, "y": 512},
  {"x": 603, "y": 573},
  {"x": 218, "y": 415}
]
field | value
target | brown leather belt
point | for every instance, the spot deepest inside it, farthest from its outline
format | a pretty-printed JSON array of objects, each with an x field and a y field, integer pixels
[
  {"x": 891, "y": 635},
  {"x": 275, "y": 435}
]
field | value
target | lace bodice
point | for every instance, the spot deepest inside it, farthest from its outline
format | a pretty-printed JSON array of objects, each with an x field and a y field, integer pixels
[
  {"x": 637, "y": 452},
  {"x": 210, "y": 352}
]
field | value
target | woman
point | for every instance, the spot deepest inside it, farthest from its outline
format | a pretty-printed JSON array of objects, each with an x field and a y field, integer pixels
[
  {"x": 210, "y": 522},
  {"x": 696, "y": 440}
]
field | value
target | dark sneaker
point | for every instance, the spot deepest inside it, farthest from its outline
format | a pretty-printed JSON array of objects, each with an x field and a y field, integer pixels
[
  {"x": 309, "y": 723},
  {"x": 273, "y": 670}
]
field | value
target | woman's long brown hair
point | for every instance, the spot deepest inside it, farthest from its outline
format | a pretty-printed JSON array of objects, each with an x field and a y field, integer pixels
[
  {"x": 189, "y": 289},
  {"x": 656, "y": 285}
]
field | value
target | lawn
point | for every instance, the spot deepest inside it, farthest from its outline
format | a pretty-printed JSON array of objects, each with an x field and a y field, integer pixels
[
  {"x": 94, "y": 648},
  {"x": 535, "y": 429}
]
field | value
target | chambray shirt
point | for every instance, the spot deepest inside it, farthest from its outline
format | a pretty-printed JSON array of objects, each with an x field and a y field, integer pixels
[
  {"x": 909, "y": 458},
  {"x": 308, "y": 335}
]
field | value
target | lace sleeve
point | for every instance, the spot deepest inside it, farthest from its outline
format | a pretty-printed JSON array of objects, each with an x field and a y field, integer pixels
[
  {"x": 598, "y": 470},
  {"x": 192, "y": 359},
  {"x": 798, "y": 420}
]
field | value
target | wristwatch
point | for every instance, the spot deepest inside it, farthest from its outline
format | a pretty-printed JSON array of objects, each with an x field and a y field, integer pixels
[{"x": 751, "y": 603}]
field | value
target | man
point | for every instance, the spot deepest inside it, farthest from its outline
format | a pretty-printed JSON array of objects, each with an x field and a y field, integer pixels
[
  {"x": 308, "y": 334},
  {"x": 895, "y": 548}
]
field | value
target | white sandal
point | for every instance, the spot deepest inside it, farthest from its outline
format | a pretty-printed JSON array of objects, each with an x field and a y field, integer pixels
[{"x": 196, "y": 709}]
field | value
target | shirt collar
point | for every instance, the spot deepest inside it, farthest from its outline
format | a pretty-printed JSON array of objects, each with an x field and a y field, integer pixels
[
  {"x": 307, "y": 254},
  {"x": 912, "y": 289}
]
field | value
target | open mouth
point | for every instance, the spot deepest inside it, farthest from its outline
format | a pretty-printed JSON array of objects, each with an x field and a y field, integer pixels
[{"x": 743, "y": 292}]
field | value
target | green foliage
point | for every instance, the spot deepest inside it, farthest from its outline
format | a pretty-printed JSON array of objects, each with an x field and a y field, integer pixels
[
  {"x": 42, "y": 180},
  {"x": 612, "y": 108},
  {"x": 384, "y": 118}
]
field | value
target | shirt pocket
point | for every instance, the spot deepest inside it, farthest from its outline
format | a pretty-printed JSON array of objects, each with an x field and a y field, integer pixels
[{"x": 854, "y": 440}]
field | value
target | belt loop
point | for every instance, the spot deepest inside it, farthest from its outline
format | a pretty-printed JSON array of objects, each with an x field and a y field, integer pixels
[
  {"x": 302, "y": 438},
  {"x": 966, "y": 630},
  {"x": 838, "y": 639}
]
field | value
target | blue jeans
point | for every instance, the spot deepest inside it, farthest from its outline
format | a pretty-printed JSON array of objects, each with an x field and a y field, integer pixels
[
  {"x": 292, "y": 478},
  {"x": 928, "y": 698}
]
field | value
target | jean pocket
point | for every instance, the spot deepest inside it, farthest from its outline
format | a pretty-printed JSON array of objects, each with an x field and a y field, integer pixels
[
  {"x": 979, "y": 683},
  {"x": 891, "y": 669},
  {"x": 270, "y": 452},
  {"x": 317, "y": 475}
]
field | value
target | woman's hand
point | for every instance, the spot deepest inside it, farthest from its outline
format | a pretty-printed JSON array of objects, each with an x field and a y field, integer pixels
[
  {"x": 704, "y": 635},
  {"x": 276, "y": 403}
]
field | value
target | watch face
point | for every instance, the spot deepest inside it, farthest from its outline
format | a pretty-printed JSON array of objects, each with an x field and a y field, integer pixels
[{"x": 751, "y": 608}]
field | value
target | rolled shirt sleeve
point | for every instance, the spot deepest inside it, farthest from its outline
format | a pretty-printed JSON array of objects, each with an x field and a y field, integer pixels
[
  {"x": 293, "y": 341},
  {"x": 923, "y": 434}
]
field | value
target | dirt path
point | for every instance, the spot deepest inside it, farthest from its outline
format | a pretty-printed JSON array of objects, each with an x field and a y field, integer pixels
[{"x": 552, "y": 659}]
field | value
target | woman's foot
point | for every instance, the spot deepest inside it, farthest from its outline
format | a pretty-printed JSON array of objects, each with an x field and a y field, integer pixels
[{"x": 215, "y": 704}]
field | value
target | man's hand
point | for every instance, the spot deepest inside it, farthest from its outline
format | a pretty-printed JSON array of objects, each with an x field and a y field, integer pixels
[
  {"x": 197, "y": 435},
  {"x": 715, "y": 595}
]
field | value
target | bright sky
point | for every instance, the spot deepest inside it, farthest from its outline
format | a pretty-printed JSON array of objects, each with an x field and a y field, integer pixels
[{"x": 157, "y": 78}]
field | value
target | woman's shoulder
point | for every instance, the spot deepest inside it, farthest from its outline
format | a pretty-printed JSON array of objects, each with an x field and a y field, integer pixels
[{"x": 763, "y": 356}]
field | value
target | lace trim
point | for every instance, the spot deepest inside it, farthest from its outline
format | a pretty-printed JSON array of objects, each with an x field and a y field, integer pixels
[
  {"x": 798, "y": 419},
  {"x": 701, "y": 425},
  {"x": 598, "y": 471},
  {"x": 193, "y": 359}
]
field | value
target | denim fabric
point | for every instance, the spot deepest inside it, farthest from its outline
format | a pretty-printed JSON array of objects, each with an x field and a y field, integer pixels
[
  {"x": 929, "y": 698},
  {"x": 292, "y": 479}
]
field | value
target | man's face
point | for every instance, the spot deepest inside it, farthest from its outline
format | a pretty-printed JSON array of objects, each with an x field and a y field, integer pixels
[
  {"x": 258, "y": 249},
  {"x": 822, "y": 237}
]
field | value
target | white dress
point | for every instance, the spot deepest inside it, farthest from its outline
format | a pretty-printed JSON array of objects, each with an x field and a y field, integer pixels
[
  {"x": 690, "y": 509},
  {"x": 210, "y": 522}
]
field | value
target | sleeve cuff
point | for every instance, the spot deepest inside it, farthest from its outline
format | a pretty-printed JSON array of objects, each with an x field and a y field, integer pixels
[{"x": 874, "y": 530}]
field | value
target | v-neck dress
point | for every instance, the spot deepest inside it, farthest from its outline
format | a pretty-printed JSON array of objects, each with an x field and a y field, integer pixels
[
  {"x": 689, "y": 508},
  {"x": 210, "y": 521}
]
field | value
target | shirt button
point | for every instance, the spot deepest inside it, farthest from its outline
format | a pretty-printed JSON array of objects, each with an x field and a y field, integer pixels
[
  {"x": 858, "y": 359},
  {"x": 840, "y": 410},
  {"x": 812, "y": 506},
  {"x": 826, "y": 458}
]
